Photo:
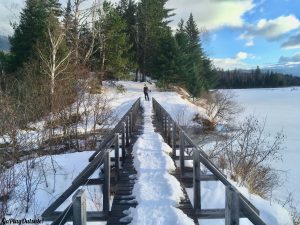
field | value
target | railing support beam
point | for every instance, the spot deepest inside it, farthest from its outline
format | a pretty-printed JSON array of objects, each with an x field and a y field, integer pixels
[
  {"x": 117, "y": 156},
  {"x": 181, "y": 152},
  {"x": 79, "y": 208},
  {"x": 232, "y": 207},
  {"x": 106, "y": 185},
  {"x": 196, "y": 180}
]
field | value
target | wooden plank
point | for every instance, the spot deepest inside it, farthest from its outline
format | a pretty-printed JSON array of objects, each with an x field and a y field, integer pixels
[
  {"x": 123, "y": 141},
  {"x": 79, "y": 208},
  {"x": 91, "y": 216},
  {"x": 181, "y": 155},
  {"x": 174, "y": 138},
  {"x": 232, "y": 206},
  {"x": 95, "y": 181},
  {"x": 196, "y": 181},
  {"x": 131, "y": 122},
  {"x": 127, "y": 131},
  {"x": 186, "y": 157},
  {"x": 214, "y": 214},
  {"x": 169, "y": 131},
  {"x": 106, "y": 186},
  {"x": 117, "y": 157}
]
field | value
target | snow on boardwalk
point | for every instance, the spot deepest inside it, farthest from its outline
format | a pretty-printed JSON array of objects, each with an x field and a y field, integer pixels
[{"x": 156, "y": 191}]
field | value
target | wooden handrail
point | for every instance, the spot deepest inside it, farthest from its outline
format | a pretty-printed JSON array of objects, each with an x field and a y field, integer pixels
[
  {"x": 246, "y": 208},
  {"x": 116, "y": 129},
  {"x": 101, "y": 156}
]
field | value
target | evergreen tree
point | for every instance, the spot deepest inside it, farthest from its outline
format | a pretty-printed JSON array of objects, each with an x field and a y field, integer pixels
[
  {"x": 115, "y": 47},
  {"x": 54, "y": 7},
  {"x": 32, "y": 27},
  {"x": 192, "y": 32},
  {"x": 127, "y": 9},
  {"x": 165, "y": 60},
  {"x": 68, "y": 23},
  {"x": 199, "y": 75},
  {"x": 152, "y": 24}
]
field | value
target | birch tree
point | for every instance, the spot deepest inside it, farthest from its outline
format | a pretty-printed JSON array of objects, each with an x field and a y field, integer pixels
[{"x": 55, "y": 57}]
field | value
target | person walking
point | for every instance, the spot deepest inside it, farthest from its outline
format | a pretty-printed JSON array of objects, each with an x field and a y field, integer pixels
[{"x": 146, "y": 90}]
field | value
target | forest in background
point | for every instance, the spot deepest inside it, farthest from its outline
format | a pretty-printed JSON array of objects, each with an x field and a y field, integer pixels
[
  {"x": 254, "y": 79},
  {"x": 53, "y": 49}
]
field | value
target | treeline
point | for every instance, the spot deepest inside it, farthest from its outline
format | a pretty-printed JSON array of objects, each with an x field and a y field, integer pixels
[
  {"x": 55, "y": 46},
  {"x": 255, "y": 79}
]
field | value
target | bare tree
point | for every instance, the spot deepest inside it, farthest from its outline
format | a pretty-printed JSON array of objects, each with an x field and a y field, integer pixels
[
  {"x": 55, "y": 64},
  {"x": 247, "y": 153},
  {"x": 220, "y": 107}
]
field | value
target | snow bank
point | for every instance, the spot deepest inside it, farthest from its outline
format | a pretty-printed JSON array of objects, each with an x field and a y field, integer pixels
[{"x": 49, "y": 186}]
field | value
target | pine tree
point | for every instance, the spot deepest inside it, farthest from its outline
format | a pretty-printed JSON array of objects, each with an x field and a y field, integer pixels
[
  {"x": 127, "y": 9},
  {"x": 31, "y": 29},
  {"x": 199, "y": 75},
  {"x": 68, "y": 23},
  {"x": 192, "y": 31},
  {"x": 115, "y": 46},
  {"x": 152, "y": 24},
  {"x": 54, "y": 7},
  {"x": 165, "y": 61}
]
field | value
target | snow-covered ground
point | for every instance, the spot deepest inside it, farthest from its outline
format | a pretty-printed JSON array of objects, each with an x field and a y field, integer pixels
[
  {"x": 156, "y": 190},
  {"x": 47, "y": 185},
  {"x": 281, "y": 109}
]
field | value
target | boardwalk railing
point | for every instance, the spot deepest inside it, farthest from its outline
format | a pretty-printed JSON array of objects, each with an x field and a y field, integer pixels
[
  {"x": 120, "y": 136},
  {"x": 236, "y": 205}
]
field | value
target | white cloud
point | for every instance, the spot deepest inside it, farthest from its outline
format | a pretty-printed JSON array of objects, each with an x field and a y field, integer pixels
[
  {"x": 212, "y": 14},
  {"x": 249, "y": 43},
  {"x": 241, "y": 55},
  {"x": 233, "y": 63},
  {"x": 271, "y": 29}
]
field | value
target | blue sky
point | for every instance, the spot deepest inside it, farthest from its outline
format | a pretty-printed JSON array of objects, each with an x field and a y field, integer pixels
[
  {"x": 247, "y": 33},
  {"x": 240, "y": 33}
]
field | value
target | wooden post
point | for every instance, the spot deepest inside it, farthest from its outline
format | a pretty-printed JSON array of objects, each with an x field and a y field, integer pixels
[
  {"x": 106, "y": 185},
  {"x": 196, "y": 180},
  {"x": 127, "y": 130},
  {"x": 165, "y": 127},
  {"x": 117, "y": 157},
  {"x": 174, "y": 138},
  {"x": 131, "y": 122},
  {"x": 232, "y": 206},
  {"x": 169, "y": 130},
  {"x": 123, "y": 141},
  {"x": 79, "y": 208},
  {"x": 181, "y": 154}
]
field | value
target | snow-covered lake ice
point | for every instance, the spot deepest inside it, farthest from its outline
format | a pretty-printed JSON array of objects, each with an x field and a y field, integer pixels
[{"x": 281, "y": 108}]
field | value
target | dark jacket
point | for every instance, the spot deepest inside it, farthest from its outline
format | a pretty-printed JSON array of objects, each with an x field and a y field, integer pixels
[{"x": 146, "y": 90}]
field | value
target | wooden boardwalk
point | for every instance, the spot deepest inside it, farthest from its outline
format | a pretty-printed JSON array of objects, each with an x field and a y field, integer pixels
[
  {"x": 123, "y": 198},
  {"x": 121, "y": 184},
  {"x": 185, "y": 204}
]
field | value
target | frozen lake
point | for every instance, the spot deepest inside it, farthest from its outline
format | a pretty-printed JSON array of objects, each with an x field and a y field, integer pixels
[{"x": 281, "y": 108}]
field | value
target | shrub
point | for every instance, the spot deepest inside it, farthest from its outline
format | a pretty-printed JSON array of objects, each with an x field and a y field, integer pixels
[
  {"x": 120, "y": 88},
  {"x": 247, "y": 153}
]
